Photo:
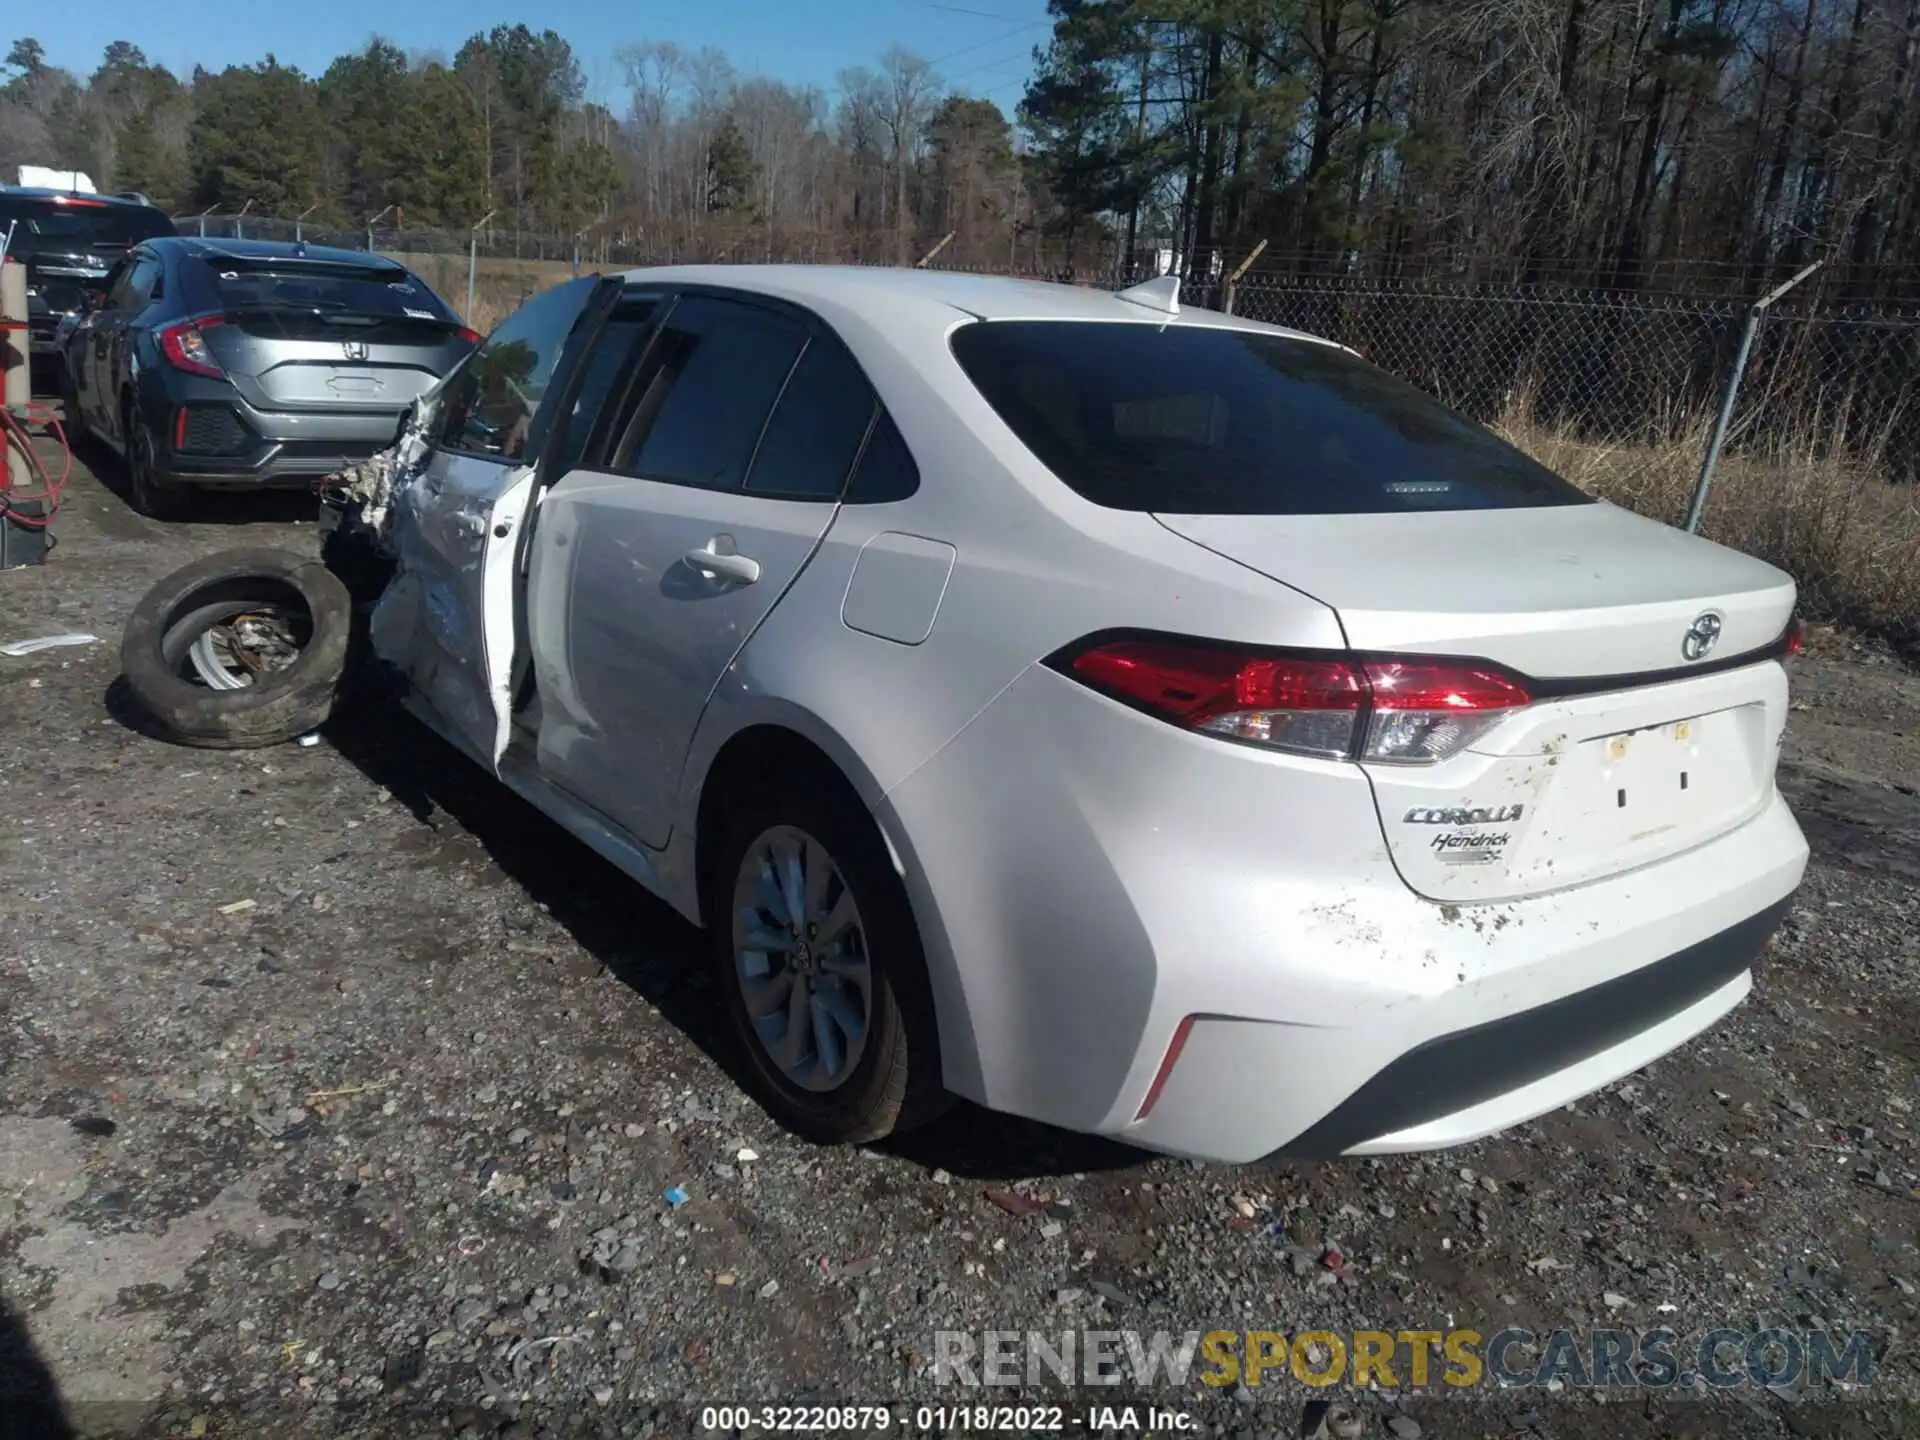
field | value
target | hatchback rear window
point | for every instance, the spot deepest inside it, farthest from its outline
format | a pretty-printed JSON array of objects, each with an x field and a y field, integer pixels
[
  {"x": 79, "y": 224},
  {"x": 1191, "y": 419},
  {"x": 354, "y": 293}
]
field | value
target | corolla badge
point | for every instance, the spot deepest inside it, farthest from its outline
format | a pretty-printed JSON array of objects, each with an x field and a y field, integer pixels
[{"x": 1701, "y": 636}]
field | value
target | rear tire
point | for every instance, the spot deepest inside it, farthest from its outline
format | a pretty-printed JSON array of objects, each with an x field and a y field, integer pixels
[
  {"x": 153, "y": 497},
  {"x": 71, "y": 419},
  {"x": 891, "y": 1082},
  {"x": 157, "y": 651}
]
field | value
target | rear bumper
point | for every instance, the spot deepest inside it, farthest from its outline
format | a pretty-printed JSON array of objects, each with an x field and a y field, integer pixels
[
  {"x": 1089, "y": 882},
  {"x": 228, "y": 443},
  {"x": 1467, "y": 1083},
  {"x": 275, "y": 471}
]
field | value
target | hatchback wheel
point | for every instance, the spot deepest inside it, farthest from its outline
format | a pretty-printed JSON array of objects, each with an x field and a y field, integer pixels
[
  {"x": 821, "y": 965},
  {"x": 71, "y": 419},
  {"x": 151, "y": 496}
]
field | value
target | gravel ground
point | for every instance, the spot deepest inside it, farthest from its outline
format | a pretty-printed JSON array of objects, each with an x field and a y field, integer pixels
[{"x": 339, "y": 1091}]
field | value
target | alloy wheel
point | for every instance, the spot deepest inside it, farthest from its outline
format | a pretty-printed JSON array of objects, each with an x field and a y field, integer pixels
[{"x": 800, "y": 959}]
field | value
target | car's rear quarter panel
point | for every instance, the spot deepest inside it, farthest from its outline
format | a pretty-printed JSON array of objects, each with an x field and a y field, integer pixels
[{"x": 1034, "y": 568}]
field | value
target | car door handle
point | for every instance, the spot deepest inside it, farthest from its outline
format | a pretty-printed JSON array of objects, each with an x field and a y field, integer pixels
[{"x": 713, "y": 564}]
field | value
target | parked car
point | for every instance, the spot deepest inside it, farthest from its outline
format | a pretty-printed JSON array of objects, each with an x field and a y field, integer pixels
[
  {"x": 252, "y": 363},
  {"x": 69, "y": 242},
  {"x": 1146, "y": 721}
]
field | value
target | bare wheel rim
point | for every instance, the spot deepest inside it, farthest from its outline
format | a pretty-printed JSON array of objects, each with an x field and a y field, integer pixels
[
  {"x": 236, "y": 651},
  {"x": 800, "y": 958}
]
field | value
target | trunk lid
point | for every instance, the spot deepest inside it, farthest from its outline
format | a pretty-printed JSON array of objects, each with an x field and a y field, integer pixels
[
  {"x": 1625, "y": 756},
  {"x": 317, "y": 332},
  {"x": 300, "y": 361},
  {"x": 1563, "y": 590}
]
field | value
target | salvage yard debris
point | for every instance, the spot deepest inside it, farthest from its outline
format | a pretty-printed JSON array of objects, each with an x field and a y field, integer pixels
[{"x": 16, "y": 648}]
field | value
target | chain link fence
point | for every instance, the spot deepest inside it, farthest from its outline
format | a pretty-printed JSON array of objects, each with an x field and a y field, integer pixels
[
  {"x": 1618, "y": 391},
  {"x": 1615, "y": 389}
]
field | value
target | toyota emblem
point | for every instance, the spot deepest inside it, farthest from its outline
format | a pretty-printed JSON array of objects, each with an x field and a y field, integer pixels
[{"x": 1701, "y": 637}]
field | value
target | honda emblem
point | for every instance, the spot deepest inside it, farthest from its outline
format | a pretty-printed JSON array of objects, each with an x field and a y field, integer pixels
[{"x": 356, "y": 349}]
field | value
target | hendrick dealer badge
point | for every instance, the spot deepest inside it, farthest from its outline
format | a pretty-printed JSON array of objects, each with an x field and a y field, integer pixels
[{"x": 1464, "y": 842}]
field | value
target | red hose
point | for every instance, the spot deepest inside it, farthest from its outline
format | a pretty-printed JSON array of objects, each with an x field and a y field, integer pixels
[{"x": 46, "y": 488}]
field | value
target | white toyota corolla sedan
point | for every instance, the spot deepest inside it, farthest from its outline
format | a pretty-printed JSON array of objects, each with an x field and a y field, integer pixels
[{"x": 1138, "y": 719}]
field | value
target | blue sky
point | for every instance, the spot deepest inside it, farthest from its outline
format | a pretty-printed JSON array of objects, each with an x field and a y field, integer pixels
[{"x": 982, "y": 47}]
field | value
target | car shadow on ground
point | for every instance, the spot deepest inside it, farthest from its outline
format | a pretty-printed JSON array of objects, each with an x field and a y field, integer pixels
[
  {"x": 30, "y": 1406},
  {"x": 604, "y": 911},
  {"x": 209, "y": 507}
]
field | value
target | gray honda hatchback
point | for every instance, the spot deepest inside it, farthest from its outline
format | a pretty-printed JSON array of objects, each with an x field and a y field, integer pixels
[{"x": 251, "y": 363}]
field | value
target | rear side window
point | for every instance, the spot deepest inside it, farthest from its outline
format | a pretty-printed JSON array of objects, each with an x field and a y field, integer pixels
[
  {"x": 886, "y": 470},
  {"x": 1188, "y": 419},
  {"x": 816, "y": 430},
  {"x": 713, "y": 374},
  {"x": 490, "y": 402}
]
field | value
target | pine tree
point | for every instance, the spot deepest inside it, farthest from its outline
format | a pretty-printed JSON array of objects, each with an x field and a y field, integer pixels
[{"x": 257, "y": 136}]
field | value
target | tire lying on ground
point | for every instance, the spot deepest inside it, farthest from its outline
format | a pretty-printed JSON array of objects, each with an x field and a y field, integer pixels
[{"x": 241, "y": 649}]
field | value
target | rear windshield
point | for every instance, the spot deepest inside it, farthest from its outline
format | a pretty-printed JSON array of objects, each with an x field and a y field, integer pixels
[
  {"x": 79, "y": 225},
  {"x": 1188, "y": 419},
  {"x": 349, "y": 294}
]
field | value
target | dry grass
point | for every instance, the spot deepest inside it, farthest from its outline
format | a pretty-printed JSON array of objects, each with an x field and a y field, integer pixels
[
  {"x": 501, "y": 286},
  {"x": 1845, "y": 533}
]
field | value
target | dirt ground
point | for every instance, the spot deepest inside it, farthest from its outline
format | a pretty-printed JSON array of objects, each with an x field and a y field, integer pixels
[{"x": 339, "y": 1091}]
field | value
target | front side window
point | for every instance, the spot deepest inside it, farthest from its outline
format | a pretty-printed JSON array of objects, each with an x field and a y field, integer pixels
[
  {"x": 1191, "y": 419},
  {"x": 490, "y": 402},
  {"x": 145, "y": 284},
  {"x": 610, "y": 359},
  {"x": 120, "y": 282}
]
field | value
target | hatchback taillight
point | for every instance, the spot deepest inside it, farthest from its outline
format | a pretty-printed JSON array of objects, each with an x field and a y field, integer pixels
[
  {"x": 1403, "y": 710},
  {"x": 184, "y": 346}
]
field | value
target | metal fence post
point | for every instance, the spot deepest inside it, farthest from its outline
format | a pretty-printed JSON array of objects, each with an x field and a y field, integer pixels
[
  {"x": 1718, "y": 437},
  {"x": 373, "y": 220},
  {"x": 473, "y": 257},
  {"x": 1233, "y": 281}
]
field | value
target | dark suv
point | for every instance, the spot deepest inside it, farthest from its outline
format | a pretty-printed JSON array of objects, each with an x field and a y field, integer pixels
[
  {"x": 251, "y": 363},
  {"x": 69, "y": 242}
]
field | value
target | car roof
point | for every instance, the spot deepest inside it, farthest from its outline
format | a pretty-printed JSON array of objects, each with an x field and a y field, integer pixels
[
  {"x": 222, "y": 249},
  {"x": 881, "y": 292}
]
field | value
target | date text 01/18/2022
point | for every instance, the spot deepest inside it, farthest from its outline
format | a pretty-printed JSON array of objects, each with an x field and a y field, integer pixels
[{"x": 943, "y": 1419}]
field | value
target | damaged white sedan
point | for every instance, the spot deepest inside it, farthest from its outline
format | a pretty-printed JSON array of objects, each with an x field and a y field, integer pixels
[{"x": 1142, "y": 720}]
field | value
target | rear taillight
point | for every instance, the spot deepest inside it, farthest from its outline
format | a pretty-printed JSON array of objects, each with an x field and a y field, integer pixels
[
  {"x": 1426, "y": 710},
  {"x": 1395, "y": 710},
  {"x": 1796, "y": 637},
  {"x": 1306, "y": 704},
  {"x": 183, "y": 345},
  {"x": 472, "y": 337}
]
